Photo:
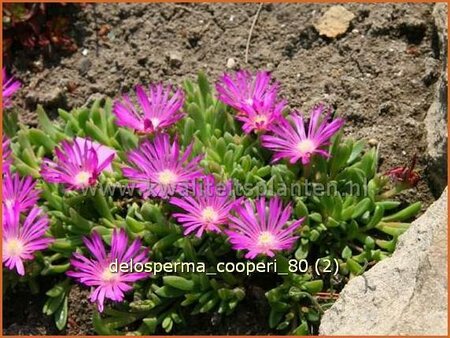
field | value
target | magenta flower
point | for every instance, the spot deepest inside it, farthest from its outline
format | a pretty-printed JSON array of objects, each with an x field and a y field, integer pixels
[
  {"x": 10, "y": 86},
  {"x": 243, "y": 90},
  {"x": 264, "y": 232},
  {"x": 207, "y": 210},
  {"x": 254, "y": 98},
  {"x": 158, "y": 170},
  {"x": 6, "y": 151},
  {"x": 19, "y": 194},
  {"x": 158, "y": 109},
  {"x": 78, "y": 164},
  {"x": 261, "y": 117},
  {"x": 97, "y": 272},
  {"x": 295, "y": 142},
  {"x": 21, "y": 241}
]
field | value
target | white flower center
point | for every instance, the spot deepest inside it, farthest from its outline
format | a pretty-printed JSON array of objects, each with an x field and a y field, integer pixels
[
  {"x": 109, "y": 276},
  {"x": 209, "y": 215},
  {"x": 82, "y": 178},
  {"x": 167, "y": 176},
  {"x": 266, "y": 239},
  {"x": 306, "y": 147},
  {"x": 14, "y": 247},
  {"x": 155, "y": 122}
]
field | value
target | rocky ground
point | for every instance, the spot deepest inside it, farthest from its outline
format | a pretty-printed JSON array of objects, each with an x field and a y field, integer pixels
[
  {"x": 402, "y": 284},
  {"x": 380, "y": 75}
]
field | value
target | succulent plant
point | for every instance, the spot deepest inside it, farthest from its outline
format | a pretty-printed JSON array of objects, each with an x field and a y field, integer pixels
[
  {"x": 332, "y": 199},
  {"x": 34, "y": 25}
]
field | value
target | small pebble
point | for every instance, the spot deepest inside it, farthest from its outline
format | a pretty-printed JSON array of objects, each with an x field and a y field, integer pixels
[
  {"x": 175, "y": 59},
  {"x": 373, "y": 142},
  {"x": 270, "y": 66},
  {"x": 231, "y": 63},
  {"x": 85, "y": 52},
  {"x": 111, "y": 36},
  {"x": 84, "y": 65},
  {"x": 334, "y": 22}
]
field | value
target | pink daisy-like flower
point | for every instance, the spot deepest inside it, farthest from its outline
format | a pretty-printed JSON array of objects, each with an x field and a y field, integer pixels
[
  {"x": 254, "y": 98},
  {"x": 159, "y": 170},
  {"x": 21, "y": 241},
  {"x": 295, "y": 141},
  {"x": 10, "y": 86},
  {"x": 208, "y": 209},
  {"x": 265, "y": 231},
  {"x": 19, "y": 194},
  {"x": 6, "y": 152},
  {"x": 243, "y": 90},
  {"x": 158, "y": 109},
  {"x": 261, "y": 117},
  {"x": 96, "y": 272},
  {"x": 78, "y": 164}
]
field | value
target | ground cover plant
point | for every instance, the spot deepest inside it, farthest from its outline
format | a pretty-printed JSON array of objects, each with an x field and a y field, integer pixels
[
  {"x": 205, "y": 175},
  {"x": 37, "y": 25}
]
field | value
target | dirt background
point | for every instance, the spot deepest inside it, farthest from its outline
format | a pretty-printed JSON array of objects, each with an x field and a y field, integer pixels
[{"x": 379, "y": 75}]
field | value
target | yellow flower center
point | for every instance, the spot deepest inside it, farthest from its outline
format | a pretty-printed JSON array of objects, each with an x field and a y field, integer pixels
[
  {"x": 209, "y": 215},
  {"x": 14, "y": 247},
  {"x": 260, "y": 119},
  {"x": 306, "y": 147},
  {"x": 109, "y": 276},
  {"x": 266, "y": 239},
  {"x": 166, "y": 177},
  {"x": 82, "y": 178}
]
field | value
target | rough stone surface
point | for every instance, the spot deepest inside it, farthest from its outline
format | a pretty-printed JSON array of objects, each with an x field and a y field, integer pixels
[
  {"x": 402, "y": 295},
  {"x": 436, "y": 118},
  {"x": 334, "y": 22}
]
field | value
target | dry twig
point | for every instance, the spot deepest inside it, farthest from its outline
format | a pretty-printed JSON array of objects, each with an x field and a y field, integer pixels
[{"x": 251, "y": 31}]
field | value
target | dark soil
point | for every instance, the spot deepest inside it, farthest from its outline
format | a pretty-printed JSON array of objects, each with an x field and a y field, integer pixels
[
  {"x": 380, "y": 76},
  {"x": 252, "y": 318},
  {"x": 22, "y": 313},
  {"x": 79, "y": 321}
]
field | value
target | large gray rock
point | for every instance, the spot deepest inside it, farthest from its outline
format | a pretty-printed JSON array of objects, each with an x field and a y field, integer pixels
[
  {"x": 405, "y": 294},
  {"x": 436, "y": 118}
]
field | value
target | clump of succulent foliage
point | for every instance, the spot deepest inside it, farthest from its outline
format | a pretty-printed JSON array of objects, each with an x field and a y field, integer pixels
[
  {"x": 37, "y": 25},
  {"x": 112, "y": 182}
]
